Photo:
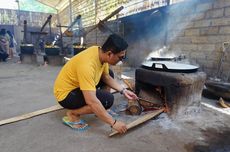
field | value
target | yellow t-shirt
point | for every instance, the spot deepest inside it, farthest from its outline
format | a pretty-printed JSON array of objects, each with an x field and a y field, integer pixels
[{"x": 84, "y": 70}]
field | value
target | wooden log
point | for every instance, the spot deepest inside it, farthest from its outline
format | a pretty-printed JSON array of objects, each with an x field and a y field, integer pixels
[
  {"x": 134, "y": 107},
  {"x": 30, "y": 115},
  {"x": 140, "y": 120},
  {"x": 150, "y": 94},
  {"x": 147, "y": 104}
]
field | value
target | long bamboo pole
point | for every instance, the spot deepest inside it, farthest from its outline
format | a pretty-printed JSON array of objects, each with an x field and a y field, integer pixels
[
  {"x": 140, "y": 120},
  {"x": 30, "y": 115}
]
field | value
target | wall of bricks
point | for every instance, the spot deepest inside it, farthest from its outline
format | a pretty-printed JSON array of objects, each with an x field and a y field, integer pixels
[{"x": 198, "y": 29}]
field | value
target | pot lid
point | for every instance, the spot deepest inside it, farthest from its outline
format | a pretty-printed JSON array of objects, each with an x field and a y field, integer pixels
[
  {"x": 162, "y": 58},
  {"x": 168, "y": 65}
]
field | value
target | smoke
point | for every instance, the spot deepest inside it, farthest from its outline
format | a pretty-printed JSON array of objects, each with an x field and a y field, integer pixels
[
  {"x": 180, "y": 17},
  {"x": 158, "y": 29}
]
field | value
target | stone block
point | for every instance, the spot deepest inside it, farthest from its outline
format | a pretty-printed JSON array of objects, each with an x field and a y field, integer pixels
[
  {"x": 57, "y": 60},
  {"x": 209, "y": 30},
  {"x": 199, "y": 40},
  {"x": 203, "y": 7},
  {"x": 197, "y": 55},
  {"x": 221, "y": 3},
  {"x": 189, "y": 47},
  {"x": 208, "y": 64},
  {"x": 175, "y": 33},
  {"x": 213, "y": 56},
  {"x": 225, "y": 30},
  {"x": 202, "y": 23},
  {"x": 197, "y": 16},
  {"x": 220, "y": 22},
  {"x": 184, "y": 40},
  {"x": 192, "y": 32},
  {"x": 227, "y": 11},
  {"x": 28, "y": 58},
  {"x": 206, "y": 47},
  {"x": 218, "y": 39},
  {"x": 215, "y": 13}
]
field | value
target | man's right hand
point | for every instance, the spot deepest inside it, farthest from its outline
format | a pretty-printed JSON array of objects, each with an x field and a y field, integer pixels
[{"x": 120, "y": 127}]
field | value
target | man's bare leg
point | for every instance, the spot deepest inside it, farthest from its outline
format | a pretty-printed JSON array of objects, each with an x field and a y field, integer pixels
[{"x": 74, "y": 115}]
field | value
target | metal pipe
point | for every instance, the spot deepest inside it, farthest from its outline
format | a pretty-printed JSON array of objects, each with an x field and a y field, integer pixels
[
  {"x": 25, "y": 32},
  {"x": 47, "y": 21},
  {"x": 18, "y": 15},
  {"x": 70, "y": 12}
]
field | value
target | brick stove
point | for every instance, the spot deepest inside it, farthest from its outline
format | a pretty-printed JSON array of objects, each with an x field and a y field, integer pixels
[{"x": 180, "y": 93}]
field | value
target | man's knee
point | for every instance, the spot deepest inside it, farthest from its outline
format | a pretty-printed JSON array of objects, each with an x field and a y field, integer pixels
[
  {"x": 109, "y": 101},
  {"x": 106, "y": 98}
]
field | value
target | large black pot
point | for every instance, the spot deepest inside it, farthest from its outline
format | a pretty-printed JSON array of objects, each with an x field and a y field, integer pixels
[
  {"x": 77, "y": 50},
  {"x": 52, "y": 51},
  {"x": 27, "y": 48}
]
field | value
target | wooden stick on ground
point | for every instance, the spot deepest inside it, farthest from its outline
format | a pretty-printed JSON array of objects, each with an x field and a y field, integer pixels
[
  {"x": 140, "y": 120},
  {"x": 35, "y": 113},
  {"x": 30, "y": 115}
]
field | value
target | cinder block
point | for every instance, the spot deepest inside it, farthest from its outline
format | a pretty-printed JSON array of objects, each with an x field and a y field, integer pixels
[
  {"x": 28, "y": 58},
  {"x": 199, "y": 40},
  {"x": 204, "y": 7},
  {"x": 218, "y": 39},
  {"x": 221, "y": 3},
  {"x": 191, "y": 32},
  {"x": 206, "y": 47},
  {"x": 220, "y": 22},
  {"x": 189, "y": 47},
  {"x": 184, "y": 40},
  {"x": 215, "y": 13},
  {"x": 225, "y": 30},
  {"x": 209, "y": 31},
  {"x": 227, "y": 11},
  {"x": 202, "y": 23},
  {"x": 197, "y": 16},
  {"x": 55, "y": 60}
]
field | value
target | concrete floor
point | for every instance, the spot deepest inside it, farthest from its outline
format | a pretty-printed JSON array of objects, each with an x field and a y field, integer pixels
[{"x": 26, "y": 88}]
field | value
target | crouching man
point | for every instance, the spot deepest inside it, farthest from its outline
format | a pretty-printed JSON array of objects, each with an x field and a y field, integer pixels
[{"x": 76, "y": 90}]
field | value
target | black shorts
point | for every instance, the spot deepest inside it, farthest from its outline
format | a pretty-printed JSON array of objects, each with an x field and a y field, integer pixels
[{"x": 75, "y": 99}]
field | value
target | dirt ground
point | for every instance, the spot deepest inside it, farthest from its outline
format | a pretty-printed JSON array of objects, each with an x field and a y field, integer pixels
[{"x": 27, "y": 88}]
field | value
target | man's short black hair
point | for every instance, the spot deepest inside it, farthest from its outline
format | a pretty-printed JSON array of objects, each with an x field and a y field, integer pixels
[{"x": 115, "y": 44}]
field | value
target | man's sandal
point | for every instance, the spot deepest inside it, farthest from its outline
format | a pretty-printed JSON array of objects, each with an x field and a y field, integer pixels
[{"x": 71, "y": 124}]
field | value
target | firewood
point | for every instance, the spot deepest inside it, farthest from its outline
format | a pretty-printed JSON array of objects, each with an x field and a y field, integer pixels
[
  {"x": 134, "y": 107},
  {"x": 140, "y": 120}
]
